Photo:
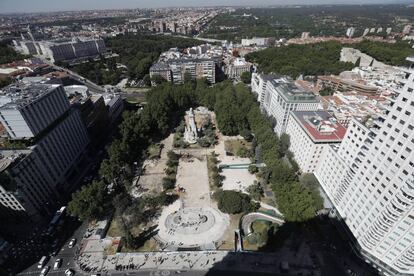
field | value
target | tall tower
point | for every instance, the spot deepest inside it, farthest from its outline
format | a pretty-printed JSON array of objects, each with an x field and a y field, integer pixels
[{"x": 370, "y": 181}]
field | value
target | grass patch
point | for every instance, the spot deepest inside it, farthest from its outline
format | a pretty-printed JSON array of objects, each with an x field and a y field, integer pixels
[
  {"x": 115, "y": 229},
  {"x": 154, "y": 151},
  {"x": 238, "y": 147}
]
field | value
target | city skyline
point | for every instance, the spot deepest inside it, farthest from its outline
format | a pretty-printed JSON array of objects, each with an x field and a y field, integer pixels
[{"x": 24, "y": 6}]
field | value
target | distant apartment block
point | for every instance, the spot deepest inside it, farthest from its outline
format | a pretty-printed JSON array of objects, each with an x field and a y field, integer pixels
[
  {"x": 350, "y": 32},
  {"x": 257, "y": 41},
  {"x": 236, "y": 67},
  {"x": 310, "y": 132},
  {"x": 279, "y": 96},
  {"x": 178, "y": 69},
  {"x": 62, "y": 50}
]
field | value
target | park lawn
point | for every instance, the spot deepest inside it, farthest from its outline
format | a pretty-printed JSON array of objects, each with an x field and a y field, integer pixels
[
  {"x": 114, "y": 229},
  {"x": 154, "y": 151},
  {"x": 210, "y": 164},
  {"x": 235, "y": 146}
]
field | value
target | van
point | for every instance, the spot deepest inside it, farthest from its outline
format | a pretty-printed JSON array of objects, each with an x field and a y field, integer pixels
[{"x": 42, "y": 262}]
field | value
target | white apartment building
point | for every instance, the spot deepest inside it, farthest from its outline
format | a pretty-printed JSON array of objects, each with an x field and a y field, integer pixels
[
  {"x": 310, "y": 133},
  {"x": 27, "y": 109},
  {"x": 236, "y": 67},
  {"x": 370, "y": 181},
  {"x": 278, "y": 96}
]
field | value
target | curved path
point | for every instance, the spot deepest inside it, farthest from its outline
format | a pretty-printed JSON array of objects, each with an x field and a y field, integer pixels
[{"x": 247, "y": 220}]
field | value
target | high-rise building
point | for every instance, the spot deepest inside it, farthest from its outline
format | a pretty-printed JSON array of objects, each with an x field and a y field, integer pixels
[
  {"x": 407, "y": 29},
  {"x": 280, "y": 96},
  {"x": 25, "y": 111},
  {"x": 350, "y": 32},
  {"x": 369, "y": 179},
  {"x": 37, "y": 170}
]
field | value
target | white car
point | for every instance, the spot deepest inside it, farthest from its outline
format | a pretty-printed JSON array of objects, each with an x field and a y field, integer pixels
[
  {"x": 57, "y": 264},
  {"x": 69, "y": 272},
  {"x": 72, "y": 243},
  {"x": 44, "y": 271}
]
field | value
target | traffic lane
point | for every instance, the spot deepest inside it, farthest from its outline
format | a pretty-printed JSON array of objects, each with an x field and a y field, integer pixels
[{"x": 65, "y": 253}]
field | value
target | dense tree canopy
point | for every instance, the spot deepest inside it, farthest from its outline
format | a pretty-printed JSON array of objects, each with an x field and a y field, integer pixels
[
  {"x": 90, "y": 202},
  {"x": 389, "y": 53},
  {"x": 8, "y": 54},
  {"x": 295, "y": 60},
  {"x": 139, "y": 51},
  {"x": 233, "y": 202}
]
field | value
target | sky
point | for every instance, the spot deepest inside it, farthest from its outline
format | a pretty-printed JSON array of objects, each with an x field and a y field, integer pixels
[{"x": 9, "y": 6}]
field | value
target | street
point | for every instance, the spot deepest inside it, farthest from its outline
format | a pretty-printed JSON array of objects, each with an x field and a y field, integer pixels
[{"x": 65, "y": 253}]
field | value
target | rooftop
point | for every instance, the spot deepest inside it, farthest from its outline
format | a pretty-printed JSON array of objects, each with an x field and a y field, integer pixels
[
  {"x": 320, "y": 126},
  {"x": 292, "y": 92},
  {"x": 21, "y": 94}
]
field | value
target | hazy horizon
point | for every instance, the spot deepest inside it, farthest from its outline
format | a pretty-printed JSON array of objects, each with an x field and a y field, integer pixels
[{"x": 27, "y": 6}]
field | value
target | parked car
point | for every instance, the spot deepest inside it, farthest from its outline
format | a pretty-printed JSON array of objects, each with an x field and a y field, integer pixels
[
  {"x": 42, "y": 262},
  {"x": 57, "y": 264},
  {"x": 72, "y": 243},
  {"x": 44, "y": 271},
  {"x": 69, "y": 272}
]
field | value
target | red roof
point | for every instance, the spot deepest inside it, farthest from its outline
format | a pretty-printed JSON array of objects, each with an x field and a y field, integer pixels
[{"x": 320, "y": 126}]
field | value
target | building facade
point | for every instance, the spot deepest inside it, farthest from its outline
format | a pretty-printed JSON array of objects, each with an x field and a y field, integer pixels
[
  {"x": 310, "y": 133},
  {"x": 37, "y": 177},
  {"x": 370, "y": 181},
  {"x": 62, "y": 50},
  {"x": 26, "y": 110},
  {"x": 279, "y": 96},
  {"x": 178, "y": 69}
]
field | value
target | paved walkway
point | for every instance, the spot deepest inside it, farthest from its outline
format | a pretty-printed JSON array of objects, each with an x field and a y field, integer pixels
[
  {"x": 248, "y": 219},
  {"x": 190, "y": 227},
  {"x": 192, "y": 260}
]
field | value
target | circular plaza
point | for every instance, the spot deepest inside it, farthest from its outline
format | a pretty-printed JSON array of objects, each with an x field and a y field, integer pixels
[{"x": 191, "y": 227}]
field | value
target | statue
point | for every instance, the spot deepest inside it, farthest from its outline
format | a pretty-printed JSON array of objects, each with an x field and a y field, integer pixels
[{"x": 191, "y": 133}]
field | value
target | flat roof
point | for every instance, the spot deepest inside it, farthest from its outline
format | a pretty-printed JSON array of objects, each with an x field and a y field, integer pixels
[
  {"x": 293, "y": 93},
  {"x": 320, "y": 126},
  {"x": 21, "y": 94}
]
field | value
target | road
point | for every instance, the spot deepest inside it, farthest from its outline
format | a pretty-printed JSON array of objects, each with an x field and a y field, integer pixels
[{"x": 66, "y": 254}]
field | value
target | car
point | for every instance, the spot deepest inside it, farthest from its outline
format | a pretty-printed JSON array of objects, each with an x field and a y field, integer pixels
[
  {"x": 57, "y": 264},
  {"x": 72, "y": 243},
  {"x": 42, "y": 262},
  {"x": 69, "y": 272},
  {"x": 44, "y": 271}
]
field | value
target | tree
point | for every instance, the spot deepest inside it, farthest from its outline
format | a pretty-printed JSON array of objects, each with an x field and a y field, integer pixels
[
  {"x": 295, "y": 201},
  {"x": 284, "y": 143},
  {"x": 326, "y": 91},
  {"x": 253, "y": 169},
  {"x": 168, "y": 183},
  {"x": 246, "y": 77},
  {"x": 147, "y": 80},
  {"x": 90, "y": 202},
  {"x": 255, "y": 191},
  {"x": 233, "y": 202}
]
